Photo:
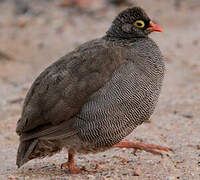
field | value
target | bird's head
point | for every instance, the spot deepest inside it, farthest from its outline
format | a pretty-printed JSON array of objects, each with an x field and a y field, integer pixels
[{"x": 132, "y": 22}]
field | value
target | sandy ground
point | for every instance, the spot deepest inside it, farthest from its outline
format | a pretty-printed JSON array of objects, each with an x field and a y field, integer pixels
[{"x": 30, "y": 42}]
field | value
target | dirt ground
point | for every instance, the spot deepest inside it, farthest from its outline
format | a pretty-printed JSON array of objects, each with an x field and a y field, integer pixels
[{"x": 48, "y": 30}]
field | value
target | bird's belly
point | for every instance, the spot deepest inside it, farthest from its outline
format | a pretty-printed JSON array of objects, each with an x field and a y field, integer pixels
[{"x": 113, "y": 112}]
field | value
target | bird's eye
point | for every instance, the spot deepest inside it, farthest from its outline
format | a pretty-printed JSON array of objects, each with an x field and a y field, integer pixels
[{"x": 139, "y": 24}]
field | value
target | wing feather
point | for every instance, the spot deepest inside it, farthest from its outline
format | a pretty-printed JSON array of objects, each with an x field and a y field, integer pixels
[{"x": 61, "y": 90}]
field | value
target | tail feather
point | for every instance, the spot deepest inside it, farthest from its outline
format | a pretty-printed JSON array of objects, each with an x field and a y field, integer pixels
[
  {"x": 42, "y": 141},
  {"x": 62, "y": 129},
  {"x": 24, "y": 150}
]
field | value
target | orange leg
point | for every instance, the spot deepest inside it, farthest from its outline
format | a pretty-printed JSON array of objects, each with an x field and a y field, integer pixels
[
  {"x": 71, "y": 164},
  {"x": 142, "y": 146}
]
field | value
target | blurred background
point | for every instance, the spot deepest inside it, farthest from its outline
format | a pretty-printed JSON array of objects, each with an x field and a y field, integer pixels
[{"x": 35, "y": 33}]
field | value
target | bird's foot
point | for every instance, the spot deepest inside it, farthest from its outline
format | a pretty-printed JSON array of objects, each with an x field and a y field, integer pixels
[
  {"x": 71, "y": 168},
  {"x": 152, "y": 148},
  {"x": 77, "y": 171},
  {"x": 74, "y": 170}
]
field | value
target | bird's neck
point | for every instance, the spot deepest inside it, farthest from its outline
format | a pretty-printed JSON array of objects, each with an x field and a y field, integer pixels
[{"x": 120, "y": 40}]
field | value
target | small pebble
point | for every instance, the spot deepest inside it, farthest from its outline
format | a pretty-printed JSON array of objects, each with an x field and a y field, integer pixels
[
  {"x": 21, "y": 23},
  {"x": 168, "y": 58},
  {"x": 108, "y": 176},
  {"x": 138, "y": 172},
  {"x": 65, "y": 3},
  {"x": 105, "y": 174},
  {"x": 7, "y": 137},
  {"x": 16, "y": 100},
  {"x": 179, "y": 45},
  {"x": 198, "y": 146},
  {"x": 91, "y": 177},
  {"x": 171, "y": 178},
  {"x": 195, "y": 42},
  {"x": 175, "y": 112},
  {"x": 198, "y": 163},
  {"x": 97, "y": 166},
  {"x": 188, "y": 115},
  {"x": 12, "y": 178},
  {"x": 4, "y": 56}
]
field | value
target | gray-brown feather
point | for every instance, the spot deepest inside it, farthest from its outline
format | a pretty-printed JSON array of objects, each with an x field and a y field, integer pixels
[
  {"x": 60, "y": 91},
  {"x": 93, "y": 97}
]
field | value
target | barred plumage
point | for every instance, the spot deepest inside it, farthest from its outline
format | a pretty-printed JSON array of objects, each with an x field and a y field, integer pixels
[
  {"x": 93, "y": 97},
  {"x": 124, "y": 102}
]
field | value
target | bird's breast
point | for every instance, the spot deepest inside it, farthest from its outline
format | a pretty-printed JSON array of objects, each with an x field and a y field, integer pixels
[{"x": 113, "y": 112}]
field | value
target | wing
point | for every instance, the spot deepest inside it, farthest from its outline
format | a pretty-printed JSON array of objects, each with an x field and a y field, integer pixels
[{"x": 61, "y": 90}]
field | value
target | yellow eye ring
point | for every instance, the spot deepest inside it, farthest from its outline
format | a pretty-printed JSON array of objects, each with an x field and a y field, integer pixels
[{"x": 139, "y": 24}]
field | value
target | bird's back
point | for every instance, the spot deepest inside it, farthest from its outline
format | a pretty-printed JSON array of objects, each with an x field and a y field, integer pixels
[{"x": 59, "y": 92}]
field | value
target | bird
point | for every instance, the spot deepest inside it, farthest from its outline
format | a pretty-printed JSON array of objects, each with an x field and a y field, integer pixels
[{"x": 89, "y": 100}]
